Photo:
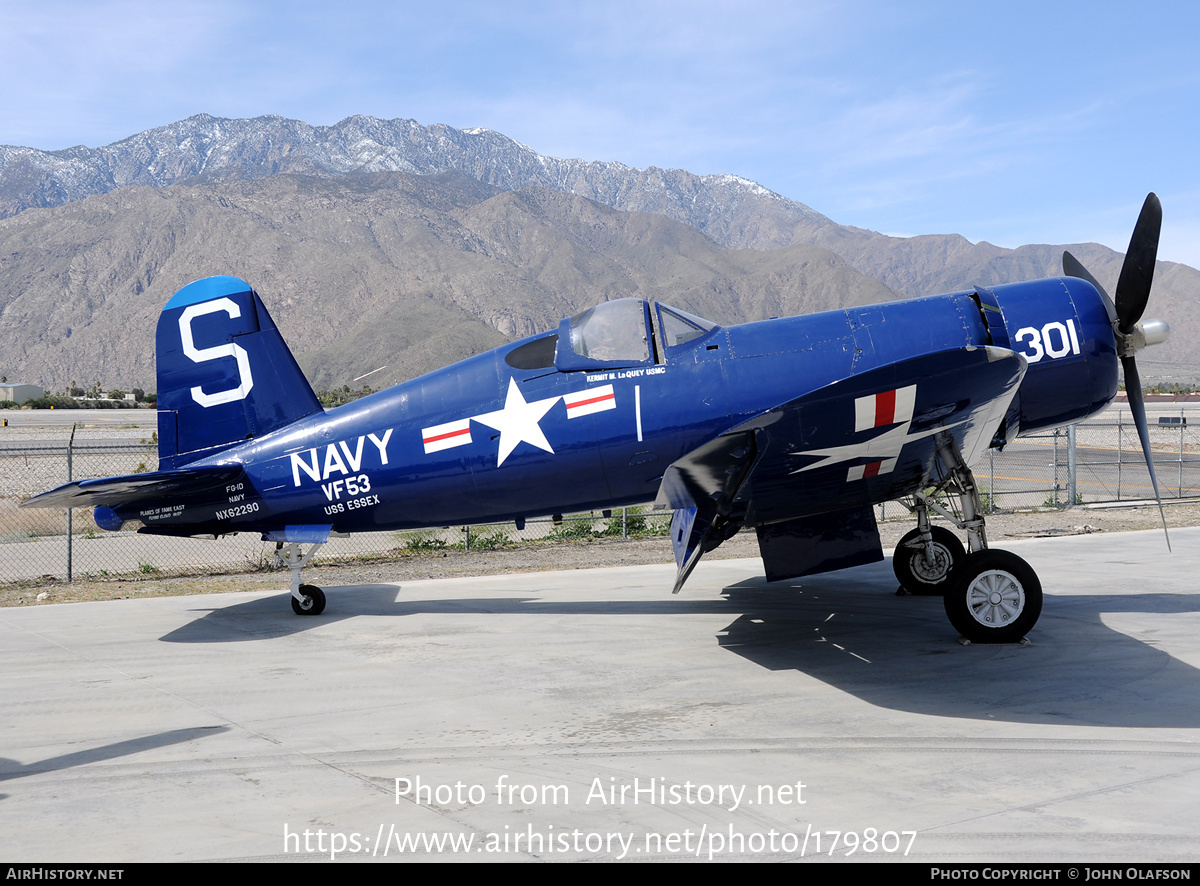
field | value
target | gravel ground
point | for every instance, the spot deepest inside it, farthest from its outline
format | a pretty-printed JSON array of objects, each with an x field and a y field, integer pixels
[{"x": 571, "y": 555}]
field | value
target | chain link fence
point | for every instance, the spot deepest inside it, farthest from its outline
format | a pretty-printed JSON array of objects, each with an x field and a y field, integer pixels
[
  {"x": 1095, "y": 462},
  {"x": 1092, "y": 462},
  {"x": 42, "y": 544}
]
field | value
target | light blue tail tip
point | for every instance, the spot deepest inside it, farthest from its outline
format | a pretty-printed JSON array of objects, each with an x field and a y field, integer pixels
[{"x": 206, "y": 290}]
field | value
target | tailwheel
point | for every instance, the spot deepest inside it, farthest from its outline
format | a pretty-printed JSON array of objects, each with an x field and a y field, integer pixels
[
  {"x": 313, "y": 602},
  {"x": 993, "y": 597},
  {"x": 306, "y": 599},
  {"x": 917, "y": 573}
]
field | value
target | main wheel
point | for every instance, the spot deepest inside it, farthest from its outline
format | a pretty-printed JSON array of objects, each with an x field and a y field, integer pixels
[
  {"x": 993, "y": 597},
  {"x": 914, "y": 570},
  {"x": 315, "y": 599}
]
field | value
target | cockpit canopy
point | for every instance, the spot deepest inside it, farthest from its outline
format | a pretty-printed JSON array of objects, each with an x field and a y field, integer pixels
[
  {"x": 625, "y": 332},
  {"x": 613, "y": 331},
  {"x": 622, "y": 332}
]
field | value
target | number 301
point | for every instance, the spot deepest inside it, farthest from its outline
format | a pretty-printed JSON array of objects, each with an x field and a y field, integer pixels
[{"x": 1055, "y": 339}]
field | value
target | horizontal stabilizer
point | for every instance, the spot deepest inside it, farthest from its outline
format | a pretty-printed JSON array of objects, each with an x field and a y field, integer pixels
[{"x": 135, "y": 488}]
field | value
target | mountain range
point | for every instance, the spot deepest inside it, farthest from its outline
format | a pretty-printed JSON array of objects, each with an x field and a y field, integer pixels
[{"x": 384, "y": 243}]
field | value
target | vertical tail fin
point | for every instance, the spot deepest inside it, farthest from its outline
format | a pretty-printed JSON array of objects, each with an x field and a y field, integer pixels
[{"x": 224, "y": 372}]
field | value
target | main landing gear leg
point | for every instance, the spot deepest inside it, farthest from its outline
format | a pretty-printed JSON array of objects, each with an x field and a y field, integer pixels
[
  {"x": 306, "y": 599},
  {"x": 990, "y": 596}
]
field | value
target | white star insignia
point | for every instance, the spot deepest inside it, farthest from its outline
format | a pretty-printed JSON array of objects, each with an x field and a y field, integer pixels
[{"x": 518, "y": 421}]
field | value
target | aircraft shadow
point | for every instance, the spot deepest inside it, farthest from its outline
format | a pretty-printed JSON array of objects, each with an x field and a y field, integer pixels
[
  {"x": 268, "y": 617},
  {"x": 11, "y": 769},
  {"x": 852, "y": 632}
]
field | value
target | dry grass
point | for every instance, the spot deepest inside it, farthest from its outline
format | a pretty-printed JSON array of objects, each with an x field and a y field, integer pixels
[
  {"x": 21, "y": 524},
  {"x": 133, "y": 588},
  {"x": 421, "y": 565}
]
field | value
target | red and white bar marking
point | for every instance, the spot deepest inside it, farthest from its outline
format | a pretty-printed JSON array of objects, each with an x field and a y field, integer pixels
[
  {"x": 870, "y": 469},
  {"x": 592, "y": 400},
  {"x": 884, "y": 408},
  {"x": 447, "y": 436}
]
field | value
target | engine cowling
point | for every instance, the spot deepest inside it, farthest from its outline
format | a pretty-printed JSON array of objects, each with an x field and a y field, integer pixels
[{"x": 1062, "y": 327}]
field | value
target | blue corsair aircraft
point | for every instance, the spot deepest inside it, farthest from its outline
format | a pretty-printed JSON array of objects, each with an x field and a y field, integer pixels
[{"x": 795, "y": 427}]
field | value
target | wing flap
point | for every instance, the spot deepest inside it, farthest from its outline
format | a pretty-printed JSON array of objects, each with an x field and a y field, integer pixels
[{"x": 823, "y": 543}]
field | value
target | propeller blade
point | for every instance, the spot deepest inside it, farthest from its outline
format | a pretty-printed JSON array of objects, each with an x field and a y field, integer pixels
[
  {"x": 1137, "y": 405},
  {"x": 1073, "y": 267},
  {"x": 1137, "y": 273}
]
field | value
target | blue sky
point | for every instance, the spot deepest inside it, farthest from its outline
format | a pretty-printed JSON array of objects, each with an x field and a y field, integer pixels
[{"x": 1013, "y": 123}]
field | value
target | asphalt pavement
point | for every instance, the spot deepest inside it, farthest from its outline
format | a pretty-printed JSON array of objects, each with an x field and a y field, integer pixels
[{"x": 591, "y": 715}]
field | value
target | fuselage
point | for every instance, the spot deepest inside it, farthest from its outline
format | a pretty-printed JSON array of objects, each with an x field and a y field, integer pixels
[{"x": 560, "y": 422}]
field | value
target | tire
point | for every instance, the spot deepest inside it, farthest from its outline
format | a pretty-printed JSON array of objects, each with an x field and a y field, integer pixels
[
  {"x": 993, "y": 597},
  {"x": 912, "y": 567},
  {"x": 316, "y": 601}
]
